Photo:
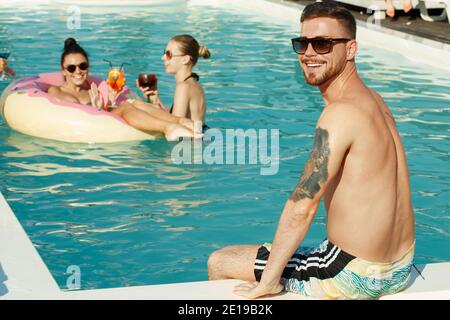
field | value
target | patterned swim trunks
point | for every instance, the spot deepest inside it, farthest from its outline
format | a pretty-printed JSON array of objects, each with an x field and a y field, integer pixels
[{"x": 328, "y": 272}]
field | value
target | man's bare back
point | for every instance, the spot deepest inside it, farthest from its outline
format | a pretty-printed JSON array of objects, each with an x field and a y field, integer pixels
[{"x": 369, "y": 212}]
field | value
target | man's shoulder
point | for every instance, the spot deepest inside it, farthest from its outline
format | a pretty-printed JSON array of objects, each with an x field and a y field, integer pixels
[
  {"x": 341, "y": 113},
  {"x": 343, "y": 121},
  {"x": 346, "y": 106}
]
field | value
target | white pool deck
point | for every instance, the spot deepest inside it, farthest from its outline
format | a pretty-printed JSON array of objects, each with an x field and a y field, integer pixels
[{"x": 24, "y": 275}]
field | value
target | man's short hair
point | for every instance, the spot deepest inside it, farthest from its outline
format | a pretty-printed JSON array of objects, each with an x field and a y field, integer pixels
[{"x": 330, "y": 10}]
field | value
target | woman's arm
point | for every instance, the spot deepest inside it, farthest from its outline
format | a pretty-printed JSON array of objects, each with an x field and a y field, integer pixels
[
  {"x": 181, "y": 101},
  {"x": 197, "y": 108}
]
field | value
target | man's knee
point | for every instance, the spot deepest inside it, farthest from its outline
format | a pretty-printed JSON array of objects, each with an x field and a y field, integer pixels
[
  {"x": 216, "y": 258},
  {"x": 217, "y": 263},
  {"x": 233, "y": 262}
]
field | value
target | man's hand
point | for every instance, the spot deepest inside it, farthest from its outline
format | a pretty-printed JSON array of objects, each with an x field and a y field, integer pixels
[
  {"x": 4, "y": 68},
  {"x": 253, "y": 290}
]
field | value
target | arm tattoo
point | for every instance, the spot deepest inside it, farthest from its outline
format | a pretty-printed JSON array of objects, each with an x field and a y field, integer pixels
[{"x": 316, "y": 169}]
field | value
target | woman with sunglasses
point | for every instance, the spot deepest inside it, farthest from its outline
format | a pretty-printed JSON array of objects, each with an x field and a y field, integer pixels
[
  {"x": 77, "y": 89},
  {"x": 180, "y": 56},
  {"x": 75, "y": 70}
]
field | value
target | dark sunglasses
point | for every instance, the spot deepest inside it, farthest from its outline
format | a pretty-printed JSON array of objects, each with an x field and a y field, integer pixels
[
  {"x": 320, "y": 45},
  {"x": 169, "y": 55},
  {"x": 72, "y": 67},
  {"x": 4, "y": 55}
]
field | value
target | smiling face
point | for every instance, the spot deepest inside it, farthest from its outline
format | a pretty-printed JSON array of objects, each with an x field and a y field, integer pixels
[
  {"x": 78, "y": 77},
  {"x": 173, "y": 58},
  {"x": 320, "y": 68}
]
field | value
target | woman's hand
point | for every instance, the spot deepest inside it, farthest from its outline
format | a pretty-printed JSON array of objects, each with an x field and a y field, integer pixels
[
  {"x": 96, "y": 97},
  {"x": 193, "y": 125},
  {"x": 158, "y": 104},
  {"x": 188, "y": 123},
  {"x": 152, "y": 95}
]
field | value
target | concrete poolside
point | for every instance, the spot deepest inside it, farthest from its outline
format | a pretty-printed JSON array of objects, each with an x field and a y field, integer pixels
[{"x": 24, "y": 275}]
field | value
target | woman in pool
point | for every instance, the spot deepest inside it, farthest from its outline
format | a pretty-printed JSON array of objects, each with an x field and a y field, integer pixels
[
  {"x": 180, "y": 56},
  {"x": 77, "y": 89},
  {"x": 75, "y": 70}
]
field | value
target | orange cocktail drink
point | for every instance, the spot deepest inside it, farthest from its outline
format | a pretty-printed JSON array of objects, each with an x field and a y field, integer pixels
[{"x": 116, "y": 78}]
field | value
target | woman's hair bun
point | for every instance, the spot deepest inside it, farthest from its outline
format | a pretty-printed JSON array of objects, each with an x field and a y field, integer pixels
[
  {"x": 204, "y": 52},
  {"x": 71, "y": 46},
  {"x": 69, "y": 42}
]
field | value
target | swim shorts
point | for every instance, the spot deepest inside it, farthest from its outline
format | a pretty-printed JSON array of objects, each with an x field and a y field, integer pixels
[{"x": 328, "y": 272}]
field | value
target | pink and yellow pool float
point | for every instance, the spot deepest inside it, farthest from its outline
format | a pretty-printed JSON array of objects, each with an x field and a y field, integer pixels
[{"x": 27, "y": 107}]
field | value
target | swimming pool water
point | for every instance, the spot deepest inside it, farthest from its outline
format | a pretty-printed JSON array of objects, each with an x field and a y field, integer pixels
[{"x": 126, "y": 215}]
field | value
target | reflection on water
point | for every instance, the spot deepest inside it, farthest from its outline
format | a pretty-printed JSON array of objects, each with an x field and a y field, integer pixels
[
  {"x": 131, "y": 159},
  {"x": 112, "y": 155},
  {"x": 79, "y": 194},
  {"x": 116, "y": 164}
]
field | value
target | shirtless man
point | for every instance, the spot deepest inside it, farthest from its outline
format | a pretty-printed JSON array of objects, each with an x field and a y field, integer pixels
[{"x": 358, "y": 165}]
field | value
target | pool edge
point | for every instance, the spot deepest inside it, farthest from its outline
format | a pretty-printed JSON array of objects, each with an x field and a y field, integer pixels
[
  {"x": 22, "y": 270},
  {"x": 24, "y": 276},
  {"x": 416, "y": 49}
]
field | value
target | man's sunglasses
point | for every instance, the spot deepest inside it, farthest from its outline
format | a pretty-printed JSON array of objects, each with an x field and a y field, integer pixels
[
  {"x": 320, "y": 45},
  {"x": 169, "y": 55},
  {"x": 72, "y": 67}
]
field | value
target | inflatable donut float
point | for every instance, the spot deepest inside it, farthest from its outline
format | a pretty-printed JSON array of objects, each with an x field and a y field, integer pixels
[{"x": 27, "y": 107}]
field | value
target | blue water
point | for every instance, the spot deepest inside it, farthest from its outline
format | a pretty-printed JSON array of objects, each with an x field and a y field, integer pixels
[{"x": 126, "y": 215}]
